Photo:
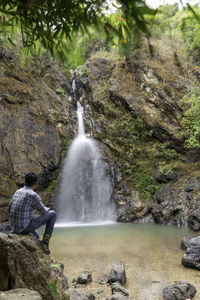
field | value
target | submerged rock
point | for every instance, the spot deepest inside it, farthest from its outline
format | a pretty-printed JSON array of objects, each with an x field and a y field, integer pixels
[
  {"x": 24, "y": 265},
  {"x": 191, "y": 258},
  {"x": 75, "y": 295},
  {"x": 181, "y": 290},
  {"x": 84, "y": 278},
  {"x": 118, "y": 296},
  {"x": 18, "y": 294},
  {"x": 117, "y": 274},
  {"x": 117, "y": 288}
]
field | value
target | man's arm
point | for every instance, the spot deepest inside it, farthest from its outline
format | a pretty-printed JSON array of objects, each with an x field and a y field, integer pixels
[{"x": 38, "y": 205}]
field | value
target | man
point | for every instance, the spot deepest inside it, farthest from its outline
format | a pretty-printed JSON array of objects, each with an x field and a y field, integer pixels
[{"x": 21, "y": 212}]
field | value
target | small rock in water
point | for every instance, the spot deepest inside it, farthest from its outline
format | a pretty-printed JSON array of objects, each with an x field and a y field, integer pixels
[
  {"x": 84, "y": 278},
  {"x": 117, "y": 274},
  {"x": 181, "y": 290},
  {"x": 75, "y": 295},
  {"x": 89, "y": 296},
  {"x": 185, "y": 243},
  {"x": 118, "y": 296},
  {"x": 117, "y": 288}
]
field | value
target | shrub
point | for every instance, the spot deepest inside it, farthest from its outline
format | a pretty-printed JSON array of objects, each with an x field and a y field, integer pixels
[{"x": 190, "y": 122}]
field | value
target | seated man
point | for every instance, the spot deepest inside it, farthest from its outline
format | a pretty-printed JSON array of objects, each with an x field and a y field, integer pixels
[{"x": 21, "y": 212}]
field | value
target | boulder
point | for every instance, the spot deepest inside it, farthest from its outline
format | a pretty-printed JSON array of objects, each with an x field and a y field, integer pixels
[
  {"x": 172, "y": 204},
  {"x": 163, "y": 178},
  {"x": 24, "y": 265},
  {"x": 194, "y": 220},
  {"x": 84, "y": 278},
  {"x": 181, "y": 290},
  {"x": 5, "y": 227},
  {"x": 117, "y": 274},
  {"x": 130, "y": 206},
  {"x": 185, "y": 243},
  {"x": 191, "y": 258},
  {"x": 193, "y": 184},
  {"x": 18, "y": 294}
]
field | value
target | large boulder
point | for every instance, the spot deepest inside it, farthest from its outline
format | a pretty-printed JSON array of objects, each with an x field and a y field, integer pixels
[
  {"x": 24, "y": 265},
  {"x": 181, "y": 290},
  {"x": 194, "y": 220},
  {"x": 185, "y": 241},
  {"x": 168, "y": 206},
  {"x": 18, "y": 294},
  {"x": 173, "y": 203},
  {"x": 191, "y": 258},
  {"x": 117, "y": 274},
  {"x": 130, "y": 206}
]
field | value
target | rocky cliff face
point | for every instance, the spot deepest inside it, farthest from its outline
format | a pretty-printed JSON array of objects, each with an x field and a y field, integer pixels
[
  {"x": 131, "y": 107},
  {"x": 37, "y": 123}
]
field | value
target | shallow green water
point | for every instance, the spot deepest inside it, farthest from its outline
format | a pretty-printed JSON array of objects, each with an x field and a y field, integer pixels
[{"x": 151, "y": 254}]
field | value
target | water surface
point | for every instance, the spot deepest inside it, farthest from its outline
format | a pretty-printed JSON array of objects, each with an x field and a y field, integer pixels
[{"x": 151, "y": 254}]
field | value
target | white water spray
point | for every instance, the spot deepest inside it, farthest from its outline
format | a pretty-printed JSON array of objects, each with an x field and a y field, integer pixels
[{"x": 85, "y": 189}]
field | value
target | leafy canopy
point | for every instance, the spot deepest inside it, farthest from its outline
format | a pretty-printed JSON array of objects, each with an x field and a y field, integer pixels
[{"x": 52, "y": 21}]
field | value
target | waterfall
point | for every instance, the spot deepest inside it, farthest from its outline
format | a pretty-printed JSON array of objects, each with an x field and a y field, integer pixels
[{"x": 85, "y": 188}]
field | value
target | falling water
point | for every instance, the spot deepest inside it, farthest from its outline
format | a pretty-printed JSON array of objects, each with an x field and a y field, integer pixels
[{"x": 85, "y": 189}]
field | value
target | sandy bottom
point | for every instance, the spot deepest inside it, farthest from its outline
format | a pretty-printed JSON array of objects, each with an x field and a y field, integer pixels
[{"x": 151, "y": 254}]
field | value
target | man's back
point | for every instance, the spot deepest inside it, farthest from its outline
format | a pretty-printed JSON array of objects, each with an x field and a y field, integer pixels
[{"x": 22, "y": 206}]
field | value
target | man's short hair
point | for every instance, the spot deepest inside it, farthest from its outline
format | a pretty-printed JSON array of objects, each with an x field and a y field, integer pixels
[{"x": 31, "y": 179}]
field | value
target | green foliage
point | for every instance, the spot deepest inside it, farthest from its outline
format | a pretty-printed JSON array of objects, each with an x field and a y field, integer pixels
[
  {"x": 66, "y": 143},
  {"x": 78, "y": 47},
  {"x": 161, "y": 23},
  {"x": 137, "y": 168},
  {"x": 189, "y": 27},
  {"x": 180, "y": 27},
  {"x": 60, "y": 90},
  {"x": 51, "y": 22},
  {"x": 56, "y": 267},
  {"x": 164, "y": 151},
  {"x": 191, "y": 120},
  {"x": 53, "y": 287},
  {"x": 139, "y": 173},
  {"x": 51, "y": 186}
]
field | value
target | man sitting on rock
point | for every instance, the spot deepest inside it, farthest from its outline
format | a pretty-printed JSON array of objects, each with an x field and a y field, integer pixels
[{"x": 21, "y": 212}]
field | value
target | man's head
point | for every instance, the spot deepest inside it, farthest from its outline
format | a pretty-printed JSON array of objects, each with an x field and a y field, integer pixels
[{"x": 31, "y": 179}]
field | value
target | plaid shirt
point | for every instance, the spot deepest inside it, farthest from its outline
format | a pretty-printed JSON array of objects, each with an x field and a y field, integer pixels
[{"x": 21, "y": 208}]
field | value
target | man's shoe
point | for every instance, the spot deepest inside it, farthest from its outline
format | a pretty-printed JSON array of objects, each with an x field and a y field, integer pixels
[{"x": 44, "y": 247}]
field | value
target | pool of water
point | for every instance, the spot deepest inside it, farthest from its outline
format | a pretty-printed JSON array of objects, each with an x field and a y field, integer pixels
[{"x": 151, "y": 254}]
